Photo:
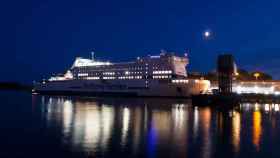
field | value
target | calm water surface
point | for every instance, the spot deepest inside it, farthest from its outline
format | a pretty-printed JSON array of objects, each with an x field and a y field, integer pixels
[{"x": 44, "y": 126}]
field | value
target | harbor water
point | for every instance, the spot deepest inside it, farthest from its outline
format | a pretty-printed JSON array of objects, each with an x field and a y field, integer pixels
[{"x": 62, "y": 126}]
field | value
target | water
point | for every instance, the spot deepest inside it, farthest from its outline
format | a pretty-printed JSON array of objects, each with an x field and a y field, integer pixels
[{"x": 43, "y": 126}]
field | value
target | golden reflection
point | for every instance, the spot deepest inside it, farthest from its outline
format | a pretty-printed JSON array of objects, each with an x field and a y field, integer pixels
[
  {"x": 266, "y": 107},
  {"x": 180, "y": 133},
  {"x": 236, "y": 127},
  {"x": 161, "y": 121},
  {"x": 91, "y": 126},
  {"x": 257, "y": 106},
  {"x": 67, "y": 116},
  {"x": 276, "y": 107},
  {"x": 205, "y": 115},
  {"x": 257, "y": 128},
  {"x": 107, "y": 117},
  {"x": 179, "y": 116},
  {"x": 195, "y": 122},
  {"x": 84, "y": 124},
  {"x": 88, "y": 125},
  {"x": 53, "y": 109},
  {"x": 137, "y": 128},
  {"x": 126, "y": 118}
]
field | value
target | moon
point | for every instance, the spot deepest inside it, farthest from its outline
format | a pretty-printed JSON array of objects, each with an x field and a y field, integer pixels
[{"x": 206, "y": 34}]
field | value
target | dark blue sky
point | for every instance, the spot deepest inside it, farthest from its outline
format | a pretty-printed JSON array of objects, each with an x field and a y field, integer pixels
[{"x": 43, "y": 36}]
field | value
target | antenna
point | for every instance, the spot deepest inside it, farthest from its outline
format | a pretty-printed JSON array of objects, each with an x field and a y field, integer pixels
[{"x": 92, "y": 55}]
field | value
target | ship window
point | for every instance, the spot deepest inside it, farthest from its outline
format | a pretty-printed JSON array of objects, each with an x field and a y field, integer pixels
[
  {"x": 108, "y": 78},
  {"x": 92, "y": 78},
  {"x": 162, "y": 72},
  {"x": 82, "y": 74},
  {"x": 180, "y": 81}
]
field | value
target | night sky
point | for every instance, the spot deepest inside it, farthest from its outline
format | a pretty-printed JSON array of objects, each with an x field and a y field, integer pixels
[{"x": 40, "y": 37}]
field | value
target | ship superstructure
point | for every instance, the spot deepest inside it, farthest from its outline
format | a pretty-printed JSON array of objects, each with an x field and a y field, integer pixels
[{"x": 162, "y": 75}]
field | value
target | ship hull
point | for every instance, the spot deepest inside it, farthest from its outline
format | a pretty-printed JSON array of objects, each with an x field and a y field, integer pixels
[{"x": 132, "y": 88}]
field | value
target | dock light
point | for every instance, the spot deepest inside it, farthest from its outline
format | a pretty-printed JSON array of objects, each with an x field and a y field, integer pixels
[
  {"x": 256, "y": 107},
  {"x": 256, "y": 89},
  {"x": 34, "y": 92},
  {"x": 257, "y": 75},
  {"x": 266, "y": 107},
  {"x": 238, "y": 89},
  {"x": 276, "y": 108}
]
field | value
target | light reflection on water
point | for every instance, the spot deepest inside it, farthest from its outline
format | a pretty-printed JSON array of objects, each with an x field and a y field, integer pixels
[{"x": 153, "y": 127}]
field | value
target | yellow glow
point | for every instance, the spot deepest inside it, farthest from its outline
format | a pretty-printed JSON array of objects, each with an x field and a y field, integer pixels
[
  {"x": 257, "y": 75},
  {"x": 92, "y": 125},
  {"x": 256, "y": 107},
  {"x": 180, "y": 130},
  {"x": 205, "y": 115},
  {"x": 236, "y": 127},
  {"x": 179, "y": 116},
  {"x": 257, "y": 128},
  {"x": 195, "y": 122},
  {"x": 162, "y": 121},
  {"x": 67, "y": 116}
]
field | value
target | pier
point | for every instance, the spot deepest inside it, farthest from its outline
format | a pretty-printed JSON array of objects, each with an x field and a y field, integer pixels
[
  {"x": 233, "y": 99},
  {"x": 224, "y": 95}
]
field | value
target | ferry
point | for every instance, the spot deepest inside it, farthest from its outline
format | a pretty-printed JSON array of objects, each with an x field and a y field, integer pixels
[{"x": 163, "y": 75}]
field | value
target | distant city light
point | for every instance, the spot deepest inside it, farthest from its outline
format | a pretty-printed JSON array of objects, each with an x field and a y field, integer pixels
[
  {"x": 276, "y": 108},
  {"x": 266, "y": 107}
]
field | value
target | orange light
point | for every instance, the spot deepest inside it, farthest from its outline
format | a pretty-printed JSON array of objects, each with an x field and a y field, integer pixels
[{"x": 257, "y": 129}]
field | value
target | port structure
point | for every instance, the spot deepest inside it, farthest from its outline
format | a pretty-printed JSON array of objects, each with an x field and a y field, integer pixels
[{"x": 226, "y": 68}]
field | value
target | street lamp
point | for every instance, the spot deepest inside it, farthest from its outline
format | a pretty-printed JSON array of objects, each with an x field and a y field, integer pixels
[{"x": 257, "y": 75}]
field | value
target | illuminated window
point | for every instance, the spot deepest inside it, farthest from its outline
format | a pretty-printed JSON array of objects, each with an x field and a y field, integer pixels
[
  {"x": 180, "y": 81},
  {"x": 108, "y": 73},
  {"x": 162, "y": 72},
  {"x": 93, "y": 78},
  {"x": 108, "y": 78},
  {"x": 82, "y": 74}
]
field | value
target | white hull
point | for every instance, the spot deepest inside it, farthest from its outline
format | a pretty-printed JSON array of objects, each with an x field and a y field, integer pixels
[{"x": 161, "y": 88}]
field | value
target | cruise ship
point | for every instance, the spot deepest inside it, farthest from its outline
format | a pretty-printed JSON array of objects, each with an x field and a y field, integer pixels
[{"x": 163, "y": 75}]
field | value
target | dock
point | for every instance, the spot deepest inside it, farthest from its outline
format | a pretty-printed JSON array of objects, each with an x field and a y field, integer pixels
[{"x": 233, "y": 99}]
